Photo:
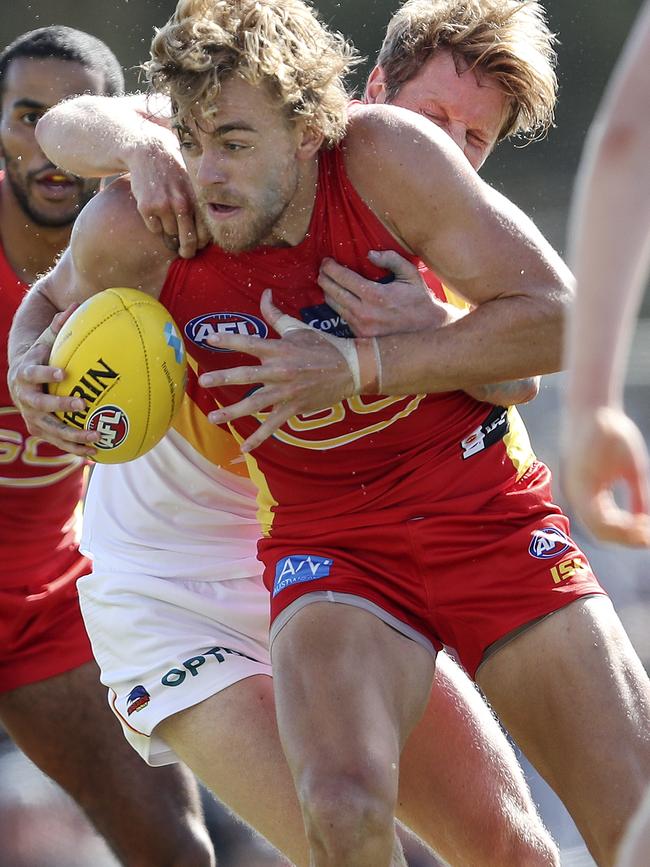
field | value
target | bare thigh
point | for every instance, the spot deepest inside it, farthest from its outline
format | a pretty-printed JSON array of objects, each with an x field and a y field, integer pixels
[
  {"x": 149, "y": 816},
  {"x": 349, "y": 690},
  {"x": 231, "y": 742},
  {"x": 574, "y": 695},
  {"x": 461, "y": 787}
]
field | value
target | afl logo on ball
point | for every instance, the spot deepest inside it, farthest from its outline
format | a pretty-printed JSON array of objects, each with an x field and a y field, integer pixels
[
  {"x": 112, "y": 424},
  {"x": 201, "y": 327}
]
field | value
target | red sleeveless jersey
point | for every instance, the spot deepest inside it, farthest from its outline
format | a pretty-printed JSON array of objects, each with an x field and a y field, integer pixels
[
  {"x": 367, "y": 456},
  {"x": 40, "y": 486}
]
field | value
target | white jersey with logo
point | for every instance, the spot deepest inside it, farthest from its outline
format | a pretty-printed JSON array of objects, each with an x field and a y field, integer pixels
[{"x": 173, "y": 514}]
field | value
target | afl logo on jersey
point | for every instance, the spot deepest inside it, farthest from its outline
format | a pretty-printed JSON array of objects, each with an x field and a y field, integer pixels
[
  {"x": 548, "y": 542},
  {"x": 201, "y": 327}
]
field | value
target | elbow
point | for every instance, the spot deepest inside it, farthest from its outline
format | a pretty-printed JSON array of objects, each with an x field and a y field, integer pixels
[
  {"x": 48, "y": 134},
  {"x": 557, "y": 307},
  {"x": 528, "y": 389}
]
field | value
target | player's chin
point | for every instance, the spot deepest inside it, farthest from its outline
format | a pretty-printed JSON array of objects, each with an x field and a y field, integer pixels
[{"x": 56, "y": 214}]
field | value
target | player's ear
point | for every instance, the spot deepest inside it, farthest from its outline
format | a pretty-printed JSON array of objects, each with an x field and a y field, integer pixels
[
  {"x": 376, "y": 86},
  {"x": 310, "y": 142}
]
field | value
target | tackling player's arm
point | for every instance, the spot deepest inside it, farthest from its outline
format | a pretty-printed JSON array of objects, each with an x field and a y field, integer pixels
[
  {"x": 406, "y": 304},
  {"x": 100, "y": 136},
  {"x": 478, "y": 243},
  {"x": 110, "y": 222}
]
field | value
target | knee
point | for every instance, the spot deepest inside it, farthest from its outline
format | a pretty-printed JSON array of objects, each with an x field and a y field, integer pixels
[{"x": 347, "y": 812}]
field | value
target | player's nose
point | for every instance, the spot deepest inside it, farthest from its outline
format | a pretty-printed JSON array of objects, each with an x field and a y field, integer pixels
[
  {"x": 211, "y": 168},
  {"x": 458, "y": 133}
]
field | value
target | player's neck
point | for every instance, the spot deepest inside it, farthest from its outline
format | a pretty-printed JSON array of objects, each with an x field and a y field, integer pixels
[{"x": 30, "y": 249}]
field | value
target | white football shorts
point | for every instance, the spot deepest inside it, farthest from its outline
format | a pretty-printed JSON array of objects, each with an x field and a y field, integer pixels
[{"x": 164, "y": 645}]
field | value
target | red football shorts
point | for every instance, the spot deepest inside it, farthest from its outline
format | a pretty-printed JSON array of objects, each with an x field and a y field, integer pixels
[
  {"x": 465, "y": 580},
  {"x": 41, "y": 630}
]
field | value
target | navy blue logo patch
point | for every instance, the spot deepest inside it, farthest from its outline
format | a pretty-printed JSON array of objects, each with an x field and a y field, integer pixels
[
  {"x": 299, "y": 568},
  {"x": 201, "y": 327},
  {"x": 548, "y": 542},
  {"x": 137, "y": 699},
  {"x": 323, "y": 318}
]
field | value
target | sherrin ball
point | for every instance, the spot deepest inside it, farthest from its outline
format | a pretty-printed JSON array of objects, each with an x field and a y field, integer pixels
[{"x": 124, "y": 356}]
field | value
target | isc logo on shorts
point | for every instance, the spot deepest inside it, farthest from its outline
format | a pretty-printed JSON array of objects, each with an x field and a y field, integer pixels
[
  {"x": 201, "y": 327},
  {"x": 548, "y": 542},
  {"x": 299, "y": 568}
]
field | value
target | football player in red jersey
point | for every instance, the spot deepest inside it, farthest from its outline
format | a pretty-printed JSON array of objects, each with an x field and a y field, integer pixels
[
  {"x": 480, "y": 811},
  {"x": 496, "y": 363},
  {"x": 51, "y": 701}
]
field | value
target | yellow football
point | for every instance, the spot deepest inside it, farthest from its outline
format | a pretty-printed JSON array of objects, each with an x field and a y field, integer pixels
[{"x": 123, "y": 354}]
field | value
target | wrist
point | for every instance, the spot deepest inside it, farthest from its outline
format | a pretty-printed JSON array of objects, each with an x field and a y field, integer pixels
[
  {"x": 146, "y": 144},
  {"x": 370, "y": 366}
]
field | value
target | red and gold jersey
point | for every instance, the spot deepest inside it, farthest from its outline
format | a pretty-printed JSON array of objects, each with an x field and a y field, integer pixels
[
  {"x": 40, "y": 486},
  {"x": 367, "y": 456}
]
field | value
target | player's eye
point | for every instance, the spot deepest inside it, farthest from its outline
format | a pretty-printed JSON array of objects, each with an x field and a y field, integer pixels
[
  {"x": 234, "y": 146},
  {"x": 31, "y": 118},
  {"x": 434, "y": 118}
]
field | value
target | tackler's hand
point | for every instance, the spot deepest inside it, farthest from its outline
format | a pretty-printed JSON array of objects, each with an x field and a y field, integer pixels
[
  {"x": 404, "y": 303},
  {"x": 163, "y": 193}
]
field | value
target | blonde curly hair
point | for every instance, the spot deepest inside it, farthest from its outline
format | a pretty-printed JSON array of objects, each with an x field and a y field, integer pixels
[
  {"x": 506, "y": 39},
  {"x": 282, "y": 45}
]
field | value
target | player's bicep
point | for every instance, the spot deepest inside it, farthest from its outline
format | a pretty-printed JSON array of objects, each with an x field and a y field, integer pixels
[
  {"x": 63, "y": 285},
  {"x": 487, "y": 248},
  {"x": 110, "y": 245}
]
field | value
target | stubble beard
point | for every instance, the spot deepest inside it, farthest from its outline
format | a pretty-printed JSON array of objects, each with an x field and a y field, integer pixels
[
  {"x": 20, "y": 188},
  {"x": 258, "y": 231}
]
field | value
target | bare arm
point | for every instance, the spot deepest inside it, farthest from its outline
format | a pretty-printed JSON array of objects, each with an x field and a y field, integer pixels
[
  {"x": 477, "y": 242},
  {"x": 610, "y": 230},
  {"x": 404, "y": 305},
  {"x": 610, "y": 248},
  {"x": 100, "y": 136}
]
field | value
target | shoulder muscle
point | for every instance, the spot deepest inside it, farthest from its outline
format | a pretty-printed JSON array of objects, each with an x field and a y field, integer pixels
[{"x": 111, "y": 246}]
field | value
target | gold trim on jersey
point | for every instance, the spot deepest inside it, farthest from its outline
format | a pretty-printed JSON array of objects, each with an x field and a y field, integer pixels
[
  {"x": 517, "y": 443},
  {"x": 265, "y": 499},
  {"x": 212, "y": 442},
  {"x": 337, "y": 413},
  {"x": 14, "y": 446},
  {"x": 455, "y": 300}
]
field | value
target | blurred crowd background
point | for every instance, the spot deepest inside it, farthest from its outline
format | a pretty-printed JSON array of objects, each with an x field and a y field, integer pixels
[{"x": 40, "y": 827}]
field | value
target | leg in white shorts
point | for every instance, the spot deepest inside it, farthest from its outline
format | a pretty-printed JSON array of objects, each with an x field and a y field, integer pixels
[{"x": 166, "y": 645}]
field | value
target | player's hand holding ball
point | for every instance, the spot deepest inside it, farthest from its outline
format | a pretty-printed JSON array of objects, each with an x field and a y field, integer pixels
[{"x": 125, "y": 362}]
